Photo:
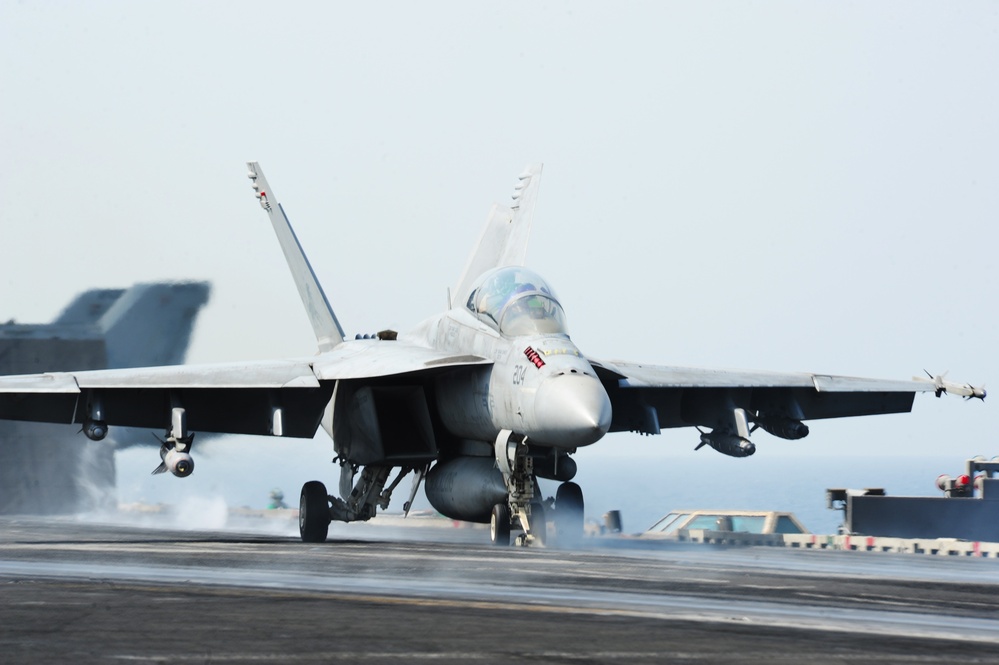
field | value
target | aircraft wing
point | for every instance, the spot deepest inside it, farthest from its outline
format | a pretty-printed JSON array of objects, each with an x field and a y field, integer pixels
[
  {"x": 236, "y": 398},
  {"x": 646, "y": 398}
]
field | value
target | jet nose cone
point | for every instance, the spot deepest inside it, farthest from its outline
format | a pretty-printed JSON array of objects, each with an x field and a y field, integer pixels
[{"x": 571, "y": 410}]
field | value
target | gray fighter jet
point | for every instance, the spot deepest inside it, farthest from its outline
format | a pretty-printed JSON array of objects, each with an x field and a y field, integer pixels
[{"x": 479, "y": 402}]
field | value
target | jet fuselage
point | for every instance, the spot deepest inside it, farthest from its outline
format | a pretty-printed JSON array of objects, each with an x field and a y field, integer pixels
[{"x": 540, "y": 386}]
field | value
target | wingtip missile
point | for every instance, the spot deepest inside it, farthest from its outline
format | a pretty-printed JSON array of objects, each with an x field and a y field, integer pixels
[
  {"x": 976, "y": 391},
  {"x": 941, "y": 386}
]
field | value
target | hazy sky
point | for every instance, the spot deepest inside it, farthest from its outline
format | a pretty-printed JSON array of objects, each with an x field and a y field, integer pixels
[{"x": 763, "y": 185}]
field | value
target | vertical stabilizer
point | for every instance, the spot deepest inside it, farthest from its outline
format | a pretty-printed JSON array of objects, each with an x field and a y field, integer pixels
[
  {"x": 324, "y": 321},
  {"x": 504, "y": 239}
]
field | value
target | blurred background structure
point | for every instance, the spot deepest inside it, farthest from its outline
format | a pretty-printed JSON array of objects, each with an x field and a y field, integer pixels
[{"x": 50, "y": 469}]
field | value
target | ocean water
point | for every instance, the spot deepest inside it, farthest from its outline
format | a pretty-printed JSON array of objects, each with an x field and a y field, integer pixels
[
  {"x": 644, "y": 489},
  {"x": 643, "y": 483}
]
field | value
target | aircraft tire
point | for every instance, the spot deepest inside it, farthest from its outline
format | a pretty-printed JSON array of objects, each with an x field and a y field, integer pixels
[
  {"x": 568, "y": 514},
  {"x": 499, "y": 525},
  {"x": 314, "y": 512}
]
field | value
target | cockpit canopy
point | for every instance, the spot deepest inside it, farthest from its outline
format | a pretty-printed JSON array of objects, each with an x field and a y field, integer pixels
[{"x": 517, "y": 301}]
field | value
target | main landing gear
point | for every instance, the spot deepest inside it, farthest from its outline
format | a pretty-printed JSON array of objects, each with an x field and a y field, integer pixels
[
  {"x": 359, "y": 502},
  {"x": 524, "y": 509}
]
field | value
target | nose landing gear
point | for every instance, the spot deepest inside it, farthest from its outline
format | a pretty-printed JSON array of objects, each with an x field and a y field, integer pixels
[
  {"x": 524, "y": 509},
  {"x": 517, "y": 467}
]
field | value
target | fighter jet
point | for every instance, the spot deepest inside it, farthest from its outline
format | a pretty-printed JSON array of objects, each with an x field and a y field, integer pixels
[{"x": 479, "y": 402}]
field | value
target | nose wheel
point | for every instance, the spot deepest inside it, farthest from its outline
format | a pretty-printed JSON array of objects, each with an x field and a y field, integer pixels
[
  {"x": 517, "y": 467},
  {"x": 499, "y": 526}
]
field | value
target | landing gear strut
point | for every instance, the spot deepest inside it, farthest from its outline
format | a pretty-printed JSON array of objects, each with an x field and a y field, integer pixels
[
  {"x": 360, "y": 502},
  {"x": 517, "y": 468}
]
